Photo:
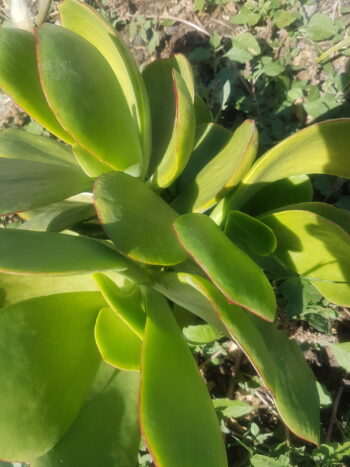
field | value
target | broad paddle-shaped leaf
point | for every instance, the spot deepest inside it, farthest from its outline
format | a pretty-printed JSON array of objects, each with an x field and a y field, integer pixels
[
  {"x": 86, "y": 22},
  {"x": 278, "y": 360},
  {"x": 15, "y": 288},
  {"x": 19, "y": 144},
  {"x": 173, "y": 122},
  {"x": 26, "y": 252},
  {"x": 125, "y": 301},
  {"x": 209, "y": 140},
  {"x": 87, "y": 99},
  {"x": 137, "y": 220},
  {"x": 221, "y": 173},
  {"x": 20, "y": 79},
  {"x": 250, "y": 233},
  {"x": 26, "y": 184},
  {"x": 230, "y": 268},
  {"x": 118, "y": 344},
  {"x": 318, "y": 149},
  {"x": 175, "y": 406},
  {"x": 46, "y": 371},
  {"x": 106, "y": 431},
  {"x": 316, "y": 248}
]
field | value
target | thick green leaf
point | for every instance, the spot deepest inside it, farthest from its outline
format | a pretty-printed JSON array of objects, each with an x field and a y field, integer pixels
[
  {"x": 20, "y": 79},
  {"x": 27, "y": 252},
  {"x": 210, "y": 139},
  {"x": 341, "y": 353},
  {"x": 91, "y": 166},
  {"x": 202, "y": 111},
  {"x": 59, "y": 216},
  {"x": 26, "y": 184},
  {"x": 278, "y": 360},
  {"x": 183, "y": 67},
  {"x": 230, "y": 268},
  {"x": 173, "y": 122},
  {"x": 137, "y": 220},
  {"x": 316, "y": 248},
  {"x": 169, "y": 285},
  {"x": 90, "y": 105},
  {"x": 222, "y": 173},
  {"x": 125, "y": 301},
  {"x": 15, "y": 288},
  {"x": 328, "y": 211},
  {"x": 320, "y": 148},
  {"x": 46, "y": 371},
  {"x": 83, "y": 20},
  {"x": 250, "y": 233},
  {"x": 177, "y": 417},
  {"x": 118, "y": 344},
  {"x": 19, "y": 144},
  {"x": 106, "y": 432},
  {"x": 275, "y": 195}
]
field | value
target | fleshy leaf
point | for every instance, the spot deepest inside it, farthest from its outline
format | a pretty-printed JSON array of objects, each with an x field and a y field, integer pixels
[
  {"x": 250, "y": 233},
  {"x": 169, "y": 285},
  {"x": 83, "y": 20},
  {"x": 19, "y": 144},
  {"x": 328, "y": 211},
  {"x": 173, "y": 122},
  {"x": 202, "y": 111},
  {"x": 172, "y": 413},
  {"x": 20, "y": 79},
  {"x": 15, "y": 288},
  {"x": 210, "y": 139},
  {"x": 126, "y": 302},
  {"x": 318, "y": 149},
  {"x": 26, "y": 184},
  {"x": 315, "y": 248},
  {"x": 295, "y": 189},
  {"x": 27, "y": 252},
  {"x": 106, "y": 431},
  {"x": 278, "y": 360},
  {"x": 137, "y": 220},
  {"x": 222, "y": 173},
  {"x": 118, "y": 344},
  {"x": 91, "y": 106},
  {"x": 46, "y": 371},
  {"x": 230, "y": 268},
  {"x": 91, "y": 166},
  {"x": 183, "y": 67},
  {"x": 59, "y": 216}
]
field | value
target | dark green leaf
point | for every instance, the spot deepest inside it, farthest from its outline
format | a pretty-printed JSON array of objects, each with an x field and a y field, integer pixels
[
  {"x": 278, "y": 360},
  {"x": 46, "y": 371},
  {"x": 137, "y": 220},
  {"x": 26, "y": 184},
  {"x": 168, "y": 409},
  {"x": 20, "y": 79},
  {"x": 230, "y": 268},
  {"x": 106, "y": 432},
  {"x": 91, "y": 105},
  {"x": 250, "y": 233}
]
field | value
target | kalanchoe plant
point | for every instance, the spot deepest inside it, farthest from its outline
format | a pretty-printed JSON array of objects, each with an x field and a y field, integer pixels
[{"x": 91, "y": 352}]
